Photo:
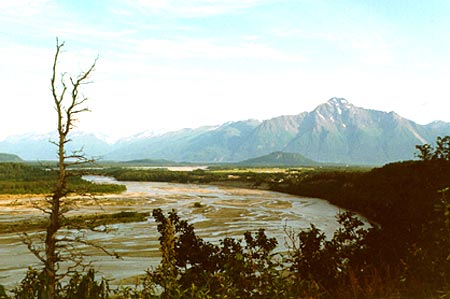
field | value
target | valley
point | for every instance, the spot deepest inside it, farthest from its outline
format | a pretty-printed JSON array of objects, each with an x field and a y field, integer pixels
[
  {"x": 213, "y": 202},
  {"x": 238, "y": 149},
  {"x": 216, "y": 212}
]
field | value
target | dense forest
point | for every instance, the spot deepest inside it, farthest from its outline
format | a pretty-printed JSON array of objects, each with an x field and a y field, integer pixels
[{"x": 20, "y": 178}]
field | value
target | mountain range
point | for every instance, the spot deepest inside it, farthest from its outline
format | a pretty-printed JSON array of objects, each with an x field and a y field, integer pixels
[
  {"x": 9, "y": 158},
  {"x": 335, "y": 132},
  {"x": 279, "y": 159}
]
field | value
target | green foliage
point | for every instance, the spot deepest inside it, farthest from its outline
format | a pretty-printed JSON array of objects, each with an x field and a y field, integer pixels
[
  {"x": 429, "y": 258},
  {"x": 3, "y": 292},
  {"x": 9, "y": 158},
  {"x": 22, "y": 172},
  {"x": 425, "y": 152},
  {"x": 405, "y": 255},
  {"x": 442, "y": 148},
  {"x": 441, "y": 152},
  {"x": 407, "y": 245},
  {"x": 346, "y": 266},
  {"x": 194, "y": 268},
  {"x": 86, "y": 286},
  {"x": 246, "y": 178},
  {"x": 197, "y": 205},
  {"x": 19, "y": 178},
  {"x": 402, "y": 201},
  {"x": 249, "y": 268},
  {"x": 280, "y": 159},
  {"x": 327, "y": 263},
  {"x": 35, "y": 286}
]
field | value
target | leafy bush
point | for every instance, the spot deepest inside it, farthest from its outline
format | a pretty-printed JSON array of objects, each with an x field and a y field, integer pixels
[
  {"x": 249, "y": 268},
  {"x": 34, "y": 286}
]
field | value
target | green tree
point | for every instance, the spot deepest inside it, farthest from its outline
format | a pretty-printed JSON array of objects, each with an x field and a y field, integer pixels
[
  {"x": 426, "y": 152},
  {"x": 442, "y": 150}
]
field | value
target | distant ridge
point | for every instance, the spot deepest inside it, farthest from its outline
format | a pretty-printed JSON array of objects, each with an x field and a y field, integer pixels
[
  {"x": 9, "y": 158},
  {"x": 334, "y": 132},
  {"x": 150, "y": 162},
  {"x": 279, "y": 159}
]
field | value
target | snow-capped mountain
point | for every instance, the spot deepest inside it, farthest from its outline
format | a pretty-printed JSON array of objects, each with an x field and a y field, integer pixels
[
  {"x": 39, "y": 146},
  {"x": 336, "y": 131}
]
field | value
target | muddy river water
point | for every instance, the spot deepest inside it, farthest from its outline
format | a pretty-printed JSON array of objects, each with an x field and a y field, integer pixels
[{"x": 216, "y": 213}]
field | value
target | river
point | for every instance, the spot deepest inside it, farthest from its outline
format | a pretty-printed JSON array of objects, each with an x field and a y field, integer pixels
[{"x": 215, "y": 212}]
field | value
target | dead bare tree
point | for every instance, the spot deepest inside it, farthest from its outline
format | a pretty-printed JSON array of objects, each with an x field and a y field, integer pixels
[
  {"x": 60, "y": 247},
  {"x": 66, "y": 117}
]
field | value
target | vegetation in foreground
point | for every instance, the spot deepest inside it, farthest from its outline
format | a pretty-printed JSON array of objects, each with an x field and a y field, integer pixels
[
  {"x": 349, "y": 265},
  {"x": 405, "y": 255}
]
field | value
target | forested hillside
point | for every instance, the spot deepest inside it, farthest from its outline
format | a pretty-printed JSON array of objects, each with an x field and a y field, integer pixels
[
  {"x": 19, "y": 178},
  {"x": 9, "y": 158}
]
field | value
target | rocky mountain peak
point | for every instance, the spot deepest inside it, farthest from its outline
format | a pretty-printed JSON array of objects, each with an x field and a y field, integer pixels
[
  {"x": 335, "y": 111},
  {"x": 335, "y": 131},
  {"x": 338, "y": 102},
  {"x": 439, "y": 124},
  {"x": 335, "y": 105}
]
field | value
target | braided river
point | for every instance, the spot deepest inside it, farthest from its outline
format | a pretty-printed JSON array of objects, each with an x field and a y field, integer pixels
[{"x": 215, "y": 212}]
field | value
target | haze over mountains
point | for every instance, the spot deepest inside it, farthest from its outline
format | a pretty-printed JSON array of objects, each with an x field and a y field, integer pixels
[
  {"x": 9, "y": 158},
  {"x": 335, "y": 131}
]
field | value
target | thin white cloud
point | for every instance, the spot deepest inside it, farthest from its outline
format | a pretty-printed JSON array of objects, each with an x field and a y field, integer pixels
[
  {"x": 368, "y": 47},
  {"x": 197, "y": 8},
  {"x": 208, "y": 49},
  {"x": 152, "y": 60},
  {"x": 23, "y": 7},
  {"x": 373, "y": 52}
]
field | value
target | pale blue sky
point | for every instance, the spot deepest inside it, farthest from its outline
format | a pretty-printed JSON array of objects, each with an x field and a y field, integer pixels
[{"x": 170, "y": 64}]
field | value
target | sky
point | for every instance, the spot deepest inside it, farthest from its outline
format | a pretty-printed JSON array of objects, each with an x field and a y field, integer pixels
[{"x": 169, "y": 64}]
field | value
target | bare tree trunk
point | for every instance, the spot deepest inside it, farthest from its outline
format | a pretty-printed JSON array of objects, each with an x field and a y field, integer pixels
[
  {"x": 57, "y": 247},
  {"x": 54, "y": 223},
  {"x": 50, "y": 249},
  {"x": 66, "y": 113}
]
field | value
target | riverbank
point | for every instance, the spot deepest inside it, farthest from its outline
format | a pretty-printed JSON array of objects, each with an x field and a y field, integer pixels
[
  {"x": 412, "y": 244},
  {"x": 407, "y": 199},
  {"x": 216, "y": 213}
]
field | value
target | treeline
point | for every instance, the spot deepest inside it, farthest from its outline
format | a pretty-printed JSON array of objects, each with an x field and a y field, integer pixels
[
  {"x": 223, "y": 175},
  {"x": 406, "y": 253},
  {"x": 407, "y": 201},
  {"x": 19, "y": 178},
  {"x": 238, "y": 177}
]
